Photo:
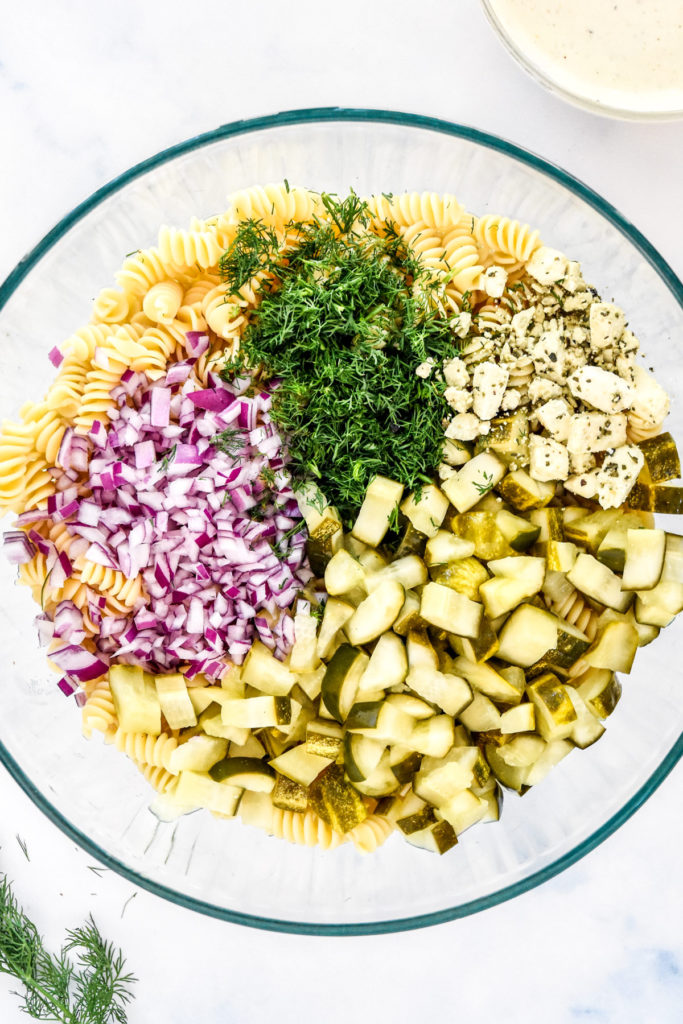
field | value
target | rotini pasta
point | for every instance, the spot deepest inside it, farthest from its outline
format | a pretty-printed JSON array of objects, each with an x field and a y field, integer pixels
[
  {"x": 162, "y": 302},
  {"x": 370, "y": 834},
  {"x": 505, "y": 241},
  {"x": 112, "y": 307},
  {"x": 98, "y": 713},
  {"x": 144, "y": 749},
  {"x": 304, "y": 829},
  {"x": 274, "y": 204},
  {"x": 437, "y": 211}
]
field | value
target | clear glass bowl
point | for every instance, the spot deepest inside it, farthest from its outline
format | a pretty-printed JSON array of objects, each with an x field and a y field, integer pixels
[
  {"x": 564, "y": 82},
  {"x": 223, "y": 868}
]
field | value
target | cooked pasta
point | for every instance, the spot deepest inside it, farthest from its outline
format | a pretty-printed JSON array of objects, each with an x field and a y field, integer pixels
[
  {"x": 371, "y": 833},
  {"x": 143, "y": 269},
  {"x": 157, "y": 776},
  {"x": 437, "y": 211},
  {"x": 145, "y": 749},
  {"x": 112, "y": 307},
  {"x": 504, "y": 240},
  {"x": 575, "y": 610},
  {"x": 162, "y": 302},
  {"x": 112, "y": 583},
  {"x": 189, "y": 248},
  {"x": 304, "y": 829},
  {"x": 274, "y": 204},
  {"x": 98, "y": 713},
  {"x": 639, "y": 428}
]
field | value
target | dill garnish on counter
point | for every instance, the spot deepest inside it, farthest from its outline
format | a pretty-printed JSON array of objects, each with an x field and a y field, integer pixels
[{"x": 342, "y": 323}]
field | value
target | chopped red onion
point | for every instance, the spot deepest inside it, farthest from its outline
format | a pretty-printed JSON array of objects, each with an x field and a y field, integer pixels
[{"x": 17, "y": 547}]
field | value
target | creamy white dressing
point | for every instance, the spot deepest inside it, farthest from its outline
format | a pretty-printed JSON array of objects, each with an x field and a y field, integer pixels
[{"x": 626, "y": 54}]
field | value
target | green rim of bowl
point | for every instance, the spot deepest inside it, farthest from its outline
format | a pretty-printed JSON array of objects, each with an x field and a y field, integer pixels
[{"x": 310, "y": 116}]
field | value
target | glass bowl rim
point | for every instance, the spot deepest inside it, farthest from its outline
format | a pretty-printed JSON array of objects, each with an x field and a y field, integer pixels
[
  {"x": 361, "y": 115},
  {"x": 575, "y": 98}
]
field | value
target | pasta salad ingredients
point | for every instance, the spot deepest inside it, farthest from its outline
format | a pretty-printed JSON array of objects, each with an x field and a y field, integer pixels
[{"x": 331, "y": 658}]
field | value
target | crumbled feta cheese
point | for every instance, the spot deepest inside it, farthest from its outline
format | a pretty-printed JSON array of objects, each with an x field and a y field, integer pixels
[
  {"x": 555, "y": 416},
  {"x": 425, "y": 369},
  {"x": 548, "y": 460},
  {"x": 581, "y": 462},
  {"x": 521, "y": 322},
  {"x": 628, "y": 343},
  {"x": 541, "y": 390},
  {"x": 462, "y": 324},
  {"x": 603, "y": 390},
  {"x": 547, "y": 265},
  {"x": 494, "y": 280},
  {"x": 625, "y": 366},
  {"x": 548, "y": 355},
  {"x": 511, "y": 400},
  {"x": 596, "y": 431},
  {"x": 459, "y": 399},
  {"x": 575, "y": 303},
  {"x": 618, "y": 474},
  {"x": 455, "y": 373},
  {"x": 607, "y": 323},
  {"x": 650, "y": 400},
  {"x": 465, "y": 426},
  {"x": 488, "y": 387},
  {"x": 573, "y": 279},
  {"x": 584, "y": 484},
  {"x": 574, "y": 357}
]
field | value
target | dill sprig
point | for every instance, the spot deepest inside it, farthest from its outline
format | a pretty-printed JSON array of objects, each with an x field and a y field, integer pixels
[
  {"x": 340, "y": 332},
  {"x": 85, "y": 983}
]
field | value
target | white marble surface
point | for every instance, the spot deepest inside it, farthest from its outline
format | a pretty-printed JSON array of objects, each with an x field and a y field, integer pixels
[{"x": 88, "y": 89}]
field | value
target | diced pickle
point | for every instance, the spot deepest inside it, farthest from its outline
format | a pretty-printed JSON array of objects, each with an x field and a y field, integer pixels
[{"x": 335, "y": 800}]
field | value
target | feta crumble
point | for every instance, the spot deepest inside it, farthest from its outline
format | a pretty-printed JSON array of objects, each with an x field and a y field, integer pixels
[
  {"x": 548, "y": 459},
  {"x": 601, "y": 389},
  {"x": 488, "y": 387}
]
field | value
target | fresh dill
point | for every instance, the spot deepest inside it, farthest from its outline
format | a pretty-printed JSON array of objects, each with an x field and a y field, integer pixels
[
  {"x": 168, "y": 458},
  {"x": 393, "y": 518},
  {"x": 268, "y": 476},
  {"x": 340, "y": 327},
  {"x": 318, "y": 610},
  {"x": 23, "y": 847},
  {"x": 484, "y": 485},
  {"x": 230, "y": 442},
  {"x": 280, "y": 547},
  {"x": 85, "y": 983}
]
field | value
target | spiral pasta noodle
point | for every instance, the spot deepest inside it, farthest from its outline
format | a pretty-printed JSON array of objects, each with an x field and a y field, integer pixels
[
  {"x": 144, "y": 269},
  {"x": 157, "y": 776},
  {"x": 427, "y": 243},
  {"x": 99, "y": 713},
  {"x": 436, "y": 210},
  {"x": 189, "y": 248},
  {"x": 505, "y": 241},
  {"x": 162, "y": 302},
  {"x": 640, "y": 429},
  {"x": 274, "y": 204},
  {"x": 575, "y": 610},
  {"x": 462, "y": 259},
  {"x": 145, "y": 749},
  {"x": 371, "y": 833},
  {"x": 304, "y": 829},
  {"x": 112, "y": 583},
  {"x": 112, "y": 307}
]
